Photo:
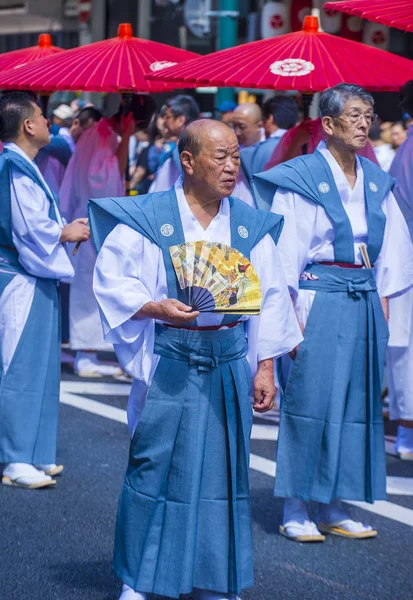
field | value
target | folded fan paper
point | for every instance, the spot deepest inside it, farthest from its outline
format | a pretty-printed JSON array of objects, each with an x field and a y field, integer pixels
[{"x": 216, "y": 278}]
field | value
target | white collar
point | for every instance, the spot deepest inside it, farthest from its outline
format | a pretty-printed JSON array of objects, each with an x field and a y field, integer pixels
[
  {"x": 15, "y": 148},
  {"x": 184, "y": 207},
  {"x": 278, "y": 133},
  {"x": 338, "y": 174}
]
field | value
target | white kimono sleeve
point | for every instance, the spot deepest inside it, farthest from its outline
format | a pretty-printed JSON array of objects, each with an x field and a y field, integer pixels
[
  {"x": 394, "y": 266},
  {"x": 295, "y": 240},
  {"x": 125, "y": 279},
  {"x": 35, "y": 235},
  {"x": 275, "y": 331}
]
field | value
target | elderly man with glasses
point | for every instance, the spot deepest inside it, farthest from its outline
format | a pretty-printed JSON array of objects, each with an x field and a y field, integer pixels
[{"x": 345, "y": 250}]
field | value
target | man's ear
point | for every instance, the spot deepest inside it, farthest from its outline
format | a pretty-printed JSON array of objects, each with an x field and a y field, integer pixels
[
  {"x": 328, "y": 125},
  {"x": 187, "y": 162},
  {"x": 28, "y": 127}
]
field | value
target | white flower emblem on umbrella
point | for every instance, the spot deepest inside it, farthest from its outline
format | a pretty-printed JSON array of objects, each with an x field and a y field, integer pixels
[
  {"x": 292, "y": 67},
  {"x": 161, "y": 64}
]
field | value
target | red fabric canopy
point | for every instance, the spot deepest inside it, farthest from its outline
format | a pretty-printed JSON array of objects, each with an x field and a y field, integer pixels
[
  {"x": 115, "y": 65},
  {"x": 18, "y": 58},
  {"x": 393, "y": 13},
  {"x": 307, "y": 61}
]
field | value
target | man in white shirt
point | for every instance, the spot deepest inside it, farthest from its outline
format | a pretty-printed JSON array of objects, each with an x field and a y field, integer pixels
[
  {"x": 32, "y": 260},
  {"x": 184, "y": 523}
]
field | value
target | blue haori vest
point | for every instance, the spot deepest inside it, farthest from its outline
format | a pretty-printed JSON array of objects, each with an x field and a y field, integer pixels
[
  {"x": 331, "y": 442},
  {"x": 184, "y": 517},
  {"x": 156, "y": 216},
  {"x": 29, "y": 390}
]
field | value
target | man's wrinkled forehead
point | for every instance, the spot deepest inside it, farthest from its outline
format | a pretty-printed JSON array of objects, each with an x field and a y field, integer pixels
[
  {"x": 357, "y": 104},
  {"x": 221, "y": 139}
]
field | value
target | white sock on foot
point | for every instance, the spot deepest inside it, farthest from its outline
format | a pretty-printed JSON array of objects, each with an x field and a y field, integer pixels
[
  {"x": 404, "y": 441},
  {"x": 296, "y": 520},
  {"x": 129, "y": 594},
  {"x": 24, "y": 473},
  {"x": 334, "y": 513}
]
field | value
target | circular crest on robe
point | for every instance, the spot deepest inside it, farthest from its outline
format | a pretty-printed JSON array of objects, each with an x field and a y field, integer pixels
[
  {"x": 161, "y": 64},
  {"x": 292, "y": 67},
  {"x": 167, "y": 230},
  {"x": 373, "y": 186},
  {"x": 243, "y": 231},
  {"x": 323, "y": 187}
]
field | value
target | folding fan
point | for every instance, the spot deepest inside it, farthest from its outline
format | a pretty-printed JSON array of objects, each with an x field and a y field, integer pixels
[{"x": 216, "y": 278}]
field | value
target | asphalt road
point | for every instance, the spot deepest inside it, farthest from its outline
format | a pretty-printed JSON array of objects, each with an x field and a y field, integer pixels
[{"x": 56, "y": 544}]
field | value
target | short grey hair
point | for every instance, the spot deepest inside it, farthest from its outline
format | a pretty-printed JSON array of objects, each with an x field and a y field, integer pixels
[
  {"x": 189, "y": 141},
  {"x": 333, "y": 100}
]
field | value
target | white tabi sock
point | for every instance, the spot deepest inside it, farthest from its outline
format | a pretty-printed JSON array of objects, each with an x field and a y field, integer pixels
[
  {"x": 129, "y": 594},
  {"x": 199, "y": 594},
  {"x": 87, "y": 365},
  {"x": 24, "y": 473},
  {"x": 404, "y": 441},
  {"x": 296, "y": 520},
  {"x": 329, "y": 514}
]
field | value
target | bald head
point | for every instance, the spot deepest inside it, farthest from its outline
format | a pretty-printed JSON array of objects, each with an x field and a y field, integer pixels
[
  {"x": 210, "y": 159},
  {"x": 250, "y": 110},
  {"x": 247, "y": 123},
  {"x": 200, "y": 132}
]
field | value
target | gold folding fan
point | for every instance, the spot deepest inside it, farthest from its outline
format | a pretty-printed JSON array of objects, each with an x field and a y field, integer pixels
[{"x": 216, "y": 278}]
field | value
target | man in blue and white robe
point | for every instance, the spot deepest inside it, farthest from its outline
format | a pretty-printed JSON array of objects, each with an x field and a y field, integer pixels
[
  {"x": 184, "y": 521},
  {"x": 400, "y": 352},
  {"x": 331, "y": 442},
  {"x": 32, "y": 260}
]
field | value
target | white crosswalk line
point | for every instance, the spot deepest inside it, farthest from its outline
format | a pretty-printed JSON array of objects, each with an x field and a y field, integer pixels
[{"x": 94, "y": 407}]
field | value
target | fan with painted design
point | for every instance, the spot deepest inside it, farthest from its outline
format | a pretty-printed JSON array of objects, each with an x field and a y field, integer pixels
[{"x": 216, "y": 278}]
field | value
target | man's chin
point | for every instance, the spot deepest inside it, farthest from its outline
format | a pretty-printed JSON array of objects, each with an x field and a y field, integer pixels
[{"x": 226, "y": 190}]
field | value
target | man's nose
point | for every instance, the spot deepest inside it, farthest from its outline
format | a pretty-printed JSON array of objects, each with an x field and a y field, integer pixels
[{"x": 230, "y": 165}]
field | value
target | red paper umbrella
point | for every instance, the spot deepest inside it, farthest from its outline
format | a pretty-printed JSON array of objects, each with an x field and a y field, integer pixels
[
  {"x": 308, "y": 61},
  {"x": 19, "y": 58},
  {"x": 393, "y": 13},
  {"x": 115, "y": 65}
]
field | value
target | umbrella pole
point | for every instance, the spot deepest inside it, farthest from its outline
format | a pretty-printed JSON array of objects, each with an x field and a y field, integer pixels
[
  {"x": 126, "y": 109},
  {"x": 306, "y": 100}
]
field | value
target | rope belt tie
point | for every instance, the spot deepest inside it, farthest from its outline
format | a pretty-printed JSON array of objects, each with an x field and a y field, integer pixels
[
  {"x": 355, "y": 289},
  {"x": 203, "y": 363}
]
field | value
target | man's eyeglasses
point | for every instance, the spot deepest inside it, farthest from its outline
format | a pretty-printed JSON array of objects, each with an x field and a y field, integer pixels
[{"x": 356, "y": 117}]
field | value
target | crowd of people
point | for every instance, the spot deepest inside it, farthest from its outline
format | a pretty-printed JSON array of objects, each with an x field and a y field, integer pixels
[{"x": 323, "y": 211}]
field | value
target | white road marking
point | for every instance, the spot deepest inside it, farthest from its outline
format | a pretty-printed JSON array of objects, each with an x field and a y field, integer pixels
[
  {"x": 263, "y": 465},
  {"x": 95, "y": 388},
  {"x": 94, "y": 407},
  {"x": 388, "y": 510},
  {"x": 264, "y": 432},
  {"x": 395, "y": 485}
]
